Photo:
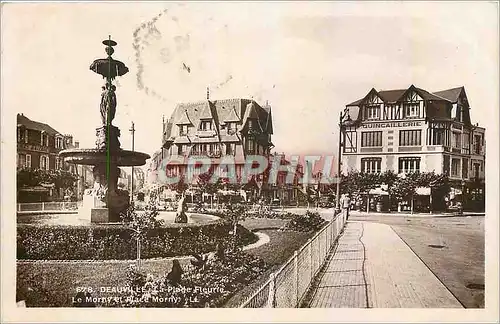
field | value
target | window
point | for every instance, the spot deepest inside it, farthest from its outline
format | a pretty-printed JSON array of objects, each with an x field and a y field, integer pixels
[
  {"x": 59, "y": 142},
  {"x": 446, "y": 164},
  {"x": 206, "y": 125},
  {"x": 371, "y": 165},
  {"x": 477, "y": 167},
  {"x": 28, "y": 160},
  {"x": 26, "y": 136},
  {"x": 60, "y": 164},
  {"x": 21, "y": 160},
  {"x": 181, "y": 149},
  {"x": 410, "y": 137},
  {"x": 230, "y": 148},
  {"x": 44, "y": 162},
  {"x": 438, "y": 136},
  {"x": 183, "y": 130},
  {"x": 456, "y": 140},
  {"x": 477, "y": 144},
  {"x": 412, "y": 110},
  {"x": 455, "y": 167},
  {"x": 250, "y": 146},
  {"x": 373, "y": 112},
  {"x": 465, "y": 168},
  {"x": 231, "y": 128},
  {"x": 19, "y": 134},
  {"x": 459, "y": 113},
  {"x": 465, "y": 140},
  {"x": 409, "y": 164},
  {"x": 371, "y": 139}
]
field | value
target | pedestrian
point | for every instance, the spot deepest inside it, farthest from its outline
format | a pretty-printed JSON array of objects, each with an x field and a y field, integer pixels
[{"x": 345, "y": 203}]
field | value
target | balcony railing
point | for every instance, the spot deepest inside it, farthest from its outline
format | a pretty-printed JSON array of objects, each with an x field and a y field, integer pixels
[
  {"x": 205, "y": 133},
  {"x": 211, "y": 154}
]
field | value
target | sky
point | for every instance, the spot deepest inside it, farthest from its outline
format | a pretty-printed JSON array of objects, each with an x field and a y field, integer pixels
[{"x": 308, "y": 60}]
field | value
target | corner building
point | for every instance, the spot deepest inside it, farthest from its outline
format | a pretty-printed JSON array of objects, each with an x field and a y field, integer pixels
[{"x": 413, "y": 130}]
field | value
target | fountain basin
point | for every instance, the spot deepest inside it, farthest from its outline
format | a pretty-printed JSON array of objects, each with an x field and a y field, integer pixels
[
  {"x": 102, "y": 156},
  {"x": 75, "y": 219}
]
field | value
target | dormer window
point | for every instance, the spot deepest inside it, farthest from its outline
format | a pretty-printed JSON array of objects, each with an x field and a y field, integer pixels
[
  {"x": 231, "y": 128},
  {"x": 44, "y": 140},
  {"x": 251, "y": 123},
  {"x": 206, "y": 125},
  {"x": 59, "y": 143},
  {"x": 183, "y": 130},
  {"x": 412, "y": 109},
  {"x": 373, "y": 112}
]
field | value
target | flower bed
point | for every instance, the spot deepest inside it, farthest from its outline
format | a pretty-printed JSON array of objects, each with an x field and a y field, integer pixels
[
  {"x": 209, "y": 285},
  {"x": 108, "y": 242},
  {"x": 311, "y": 221},
  {"x": 269, "y": 214}
]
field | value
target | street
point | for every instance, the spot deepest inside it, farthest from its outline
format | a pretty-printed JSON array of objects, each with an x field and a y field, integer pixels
[{"x": 451, "y": 247}]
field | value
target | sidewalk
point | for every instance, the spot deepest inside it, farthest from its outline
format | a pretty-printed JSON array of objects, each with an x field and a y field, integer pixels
[
  {"x": 408, "y": 214},
  {"x": 373, "y": 268}
]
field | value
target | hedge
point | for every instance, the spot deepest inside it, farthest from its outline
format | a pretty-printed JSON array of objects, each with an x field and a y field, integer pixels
[{"x": 115, "y": 242}]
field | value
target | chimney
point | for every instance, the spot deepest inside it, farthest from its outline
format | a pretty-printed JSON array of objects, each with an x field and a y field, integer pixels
[{"x": 77, "y": 144}]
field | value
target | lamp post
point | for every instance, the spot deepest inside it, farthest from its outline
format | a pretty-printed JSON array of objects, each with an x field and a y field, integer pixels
[
  {"x": 132, "y": 130},
  {"x": 344, "y": 116}
]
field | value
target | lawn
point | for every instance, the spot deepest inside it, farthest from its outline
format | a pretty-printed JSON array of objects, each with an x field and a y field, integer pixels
[
  {"x": 280, "y": 248},
  {"x": 54, "y": 284}
]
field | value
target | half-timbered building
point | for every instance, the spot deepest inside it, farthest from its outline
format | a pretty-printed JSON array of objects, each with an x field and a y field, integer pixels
[{"x": 414, "y": 130}]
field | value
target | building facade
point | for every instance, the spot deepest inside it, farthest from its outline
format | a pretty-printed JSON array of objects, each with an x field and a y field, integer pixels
[
  {"x": 38, "y": 147},
  {"x": 217, "y": 128},
  {"x": 214, "y": 129},
  {"x": 413, "y": 130}
]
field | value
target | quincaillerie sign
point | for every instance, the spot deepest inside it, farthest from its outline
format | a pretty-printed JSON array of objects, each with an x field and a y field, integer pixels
[{"x": 392, "y": 124}]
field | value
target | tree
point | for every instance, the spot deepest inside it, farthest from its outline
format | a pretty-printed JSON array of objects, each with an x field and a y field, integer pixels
[
  {"x": 236, "y": 213},
  {"x": 389, "y": 178},
  {"x": 180, "y": 186},
  {"x": 61, "y": 179},
  {"x": 207, "y": 186},
  {"x": 139, "y": 223}
]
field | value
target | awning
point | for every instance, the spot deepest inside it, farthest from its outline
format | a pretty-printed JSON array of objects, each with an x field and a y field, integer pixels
[
  {"x": 378, "y": 191},
  {"x": 423, "y": 191},
  {"x": 34, "y": 189}
]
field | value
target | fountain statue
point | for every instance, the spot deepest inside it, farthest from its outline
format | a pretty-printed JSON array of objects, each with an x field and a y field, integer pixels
[
  {"x": 180, "y": 215},
  {"x": 105, "y": 202}
]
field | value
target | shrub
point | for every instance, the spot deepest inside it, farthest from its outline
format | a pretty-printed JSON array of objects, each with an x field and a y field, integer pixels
[
  {"x": 209, "y": 286},
  {"x": 311, "y": 221},
  {"x": 107, "y": 242}
]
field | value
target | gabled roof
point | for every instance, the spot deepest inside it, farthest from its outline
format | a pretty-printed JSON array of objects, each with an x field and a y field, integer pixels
[
  {"x": 220, "y": 111},
  {"x": 355, "y": 103},
  {"x": 232, "y": 116},
  {"x": 426, "y": 95},
  {"x": 450, "y": 94},
  {"x": 31, "y": 124},
  {"x": 206, "y": 112},
  {"x": 391, "y": 96},
  {"x": 184, "y": 120}
]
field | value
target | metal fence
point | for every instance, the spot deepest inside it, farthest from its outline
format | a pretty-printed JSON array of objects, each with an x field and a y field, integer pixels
[
  {"x": 48, "y": 206},
  {"x": 287, "y": 287}
]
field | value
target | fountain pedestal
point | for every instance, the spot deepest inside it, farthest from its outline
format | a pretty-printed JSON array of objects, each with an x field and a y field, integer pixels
[{"x": 106, "y": 202}]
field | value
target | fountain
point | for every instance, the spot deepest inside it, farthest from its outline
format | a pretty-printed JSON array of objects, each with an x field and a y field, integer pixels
[{"x": 105, "y": 202}]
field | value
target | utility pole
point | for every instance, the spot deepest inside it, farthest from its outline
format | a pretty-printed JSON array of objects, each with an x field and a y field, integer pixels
[
  {"x": 132, "y": 130},
  {"x": 342, "y": 115}
]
